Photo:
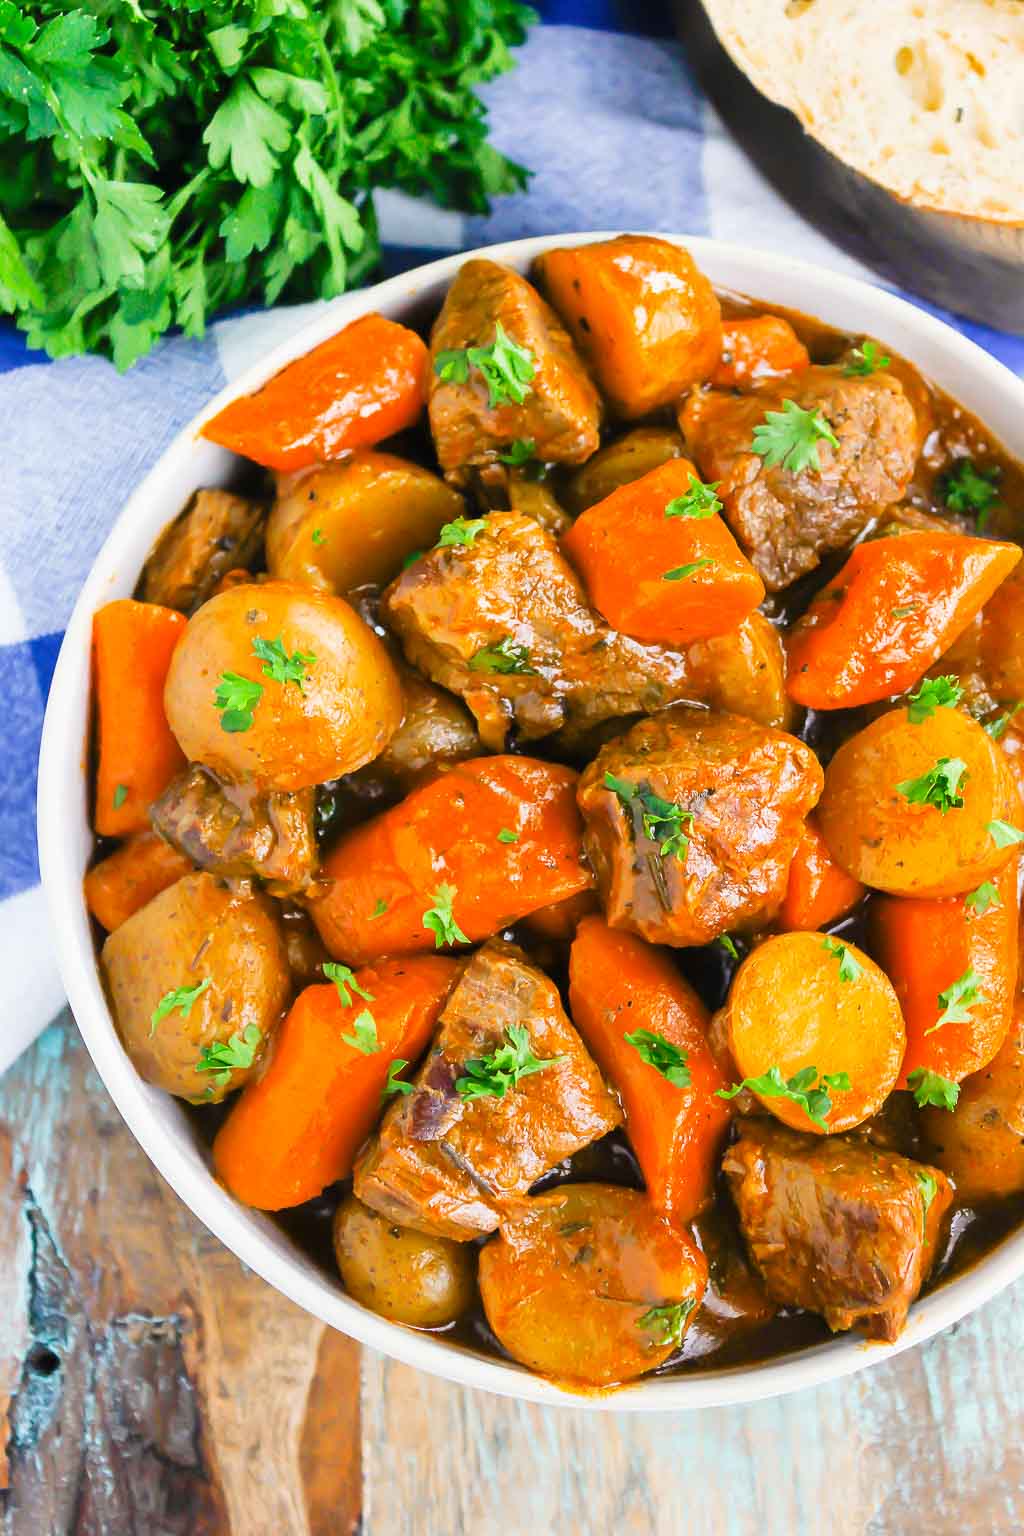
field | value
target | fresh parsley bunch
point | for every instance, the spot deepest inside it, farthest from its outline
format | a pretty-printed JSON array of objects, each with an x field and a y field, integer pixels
[{"x": 160, "y": 161}]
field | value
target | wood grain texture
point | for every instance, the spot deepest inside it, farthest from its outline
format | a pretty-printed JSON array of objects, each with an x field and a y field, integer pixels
[{"x": 151, "y": 1386}]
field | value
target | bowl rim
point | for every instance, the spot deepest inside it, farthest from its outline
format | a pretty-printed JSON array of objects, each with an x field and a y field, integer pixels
[{"x": 63, "y": 766}]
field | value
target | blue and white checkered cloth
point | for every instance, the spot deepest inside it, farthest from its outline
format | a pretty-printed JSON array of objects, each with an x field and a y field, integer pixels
[{"x": 619, "y": 136}]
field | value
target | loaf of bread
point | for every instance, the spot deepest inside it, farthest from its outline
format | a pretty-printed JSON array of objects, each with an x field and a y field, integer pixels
[{"x": 924, "y": 97}]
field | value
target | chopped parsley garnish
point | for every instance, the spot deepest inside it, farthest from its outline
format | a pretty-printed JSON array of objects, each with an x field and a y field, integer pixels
[
  {"x": 380, "y": 906},
  {"x": 1003, "y": 834},
  {"x": 930, "y": 1088},
  {"x": 681, "y": 572},
  {"x": 119, "y": 796},
  {"x": 462, "y": 530},
  {"x": 940, "y": 787},
  {"x": 508, "y": 836},
  {"x": 815, "y": 1102},
  {"x": 237, "y": 697},
  {"x": 662, "y": 820},
  {"x": 507, "y": 368},
  {"x": 969, "y": 489},
  {"x": 344, "y": 978},
  {"x": 699, "y": 501},
  {"x": 519, "y": 453},
  {"x": 728, "y": 944},
  {"x": 318, "y": 536},
  {"x": 667, "y": 1324},
  {"x": 278, "y": 665},
  {"x": 505, "y": 658},
  {"x": 491, "y": 1076},
  {"x": 790, "y": 437},
  {"x": 996, "y": 728},
  {"x": 958, "y": 999},
  {"x": 929, "y": 1187},
  {"x": 364, "y": 1034},
  {"x": 934, "y": 693},
  {"x": 662, "y": 1055},
  {"x": 980, "y": 900},
  {"x": 905, "y": 611},
  {"x": 396, "y": 1084},
  {"x": 440, "y": 919},
  {"x": 849, "y": 968},
  {"x": 180, "y": 999},
  {"x": 411, "y": 558},
  {"x": 221, "y": 1058},
  {"x": 866, "y": 359}
]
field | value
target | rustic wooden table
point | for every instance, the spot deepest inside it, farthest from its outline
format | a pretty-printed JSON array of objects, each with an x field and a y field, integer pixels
[{"x": 151, "y": 1386}]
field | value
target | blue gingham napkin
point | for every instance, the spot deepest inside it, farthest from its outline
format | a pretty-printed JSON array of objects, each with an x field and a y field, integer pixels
[{"x": 601, "y": 107}]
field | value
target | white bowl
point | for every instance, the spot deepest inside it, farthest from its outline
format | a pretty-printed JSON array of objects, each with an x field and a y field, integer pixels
[{"x": 160, "y": 1123}]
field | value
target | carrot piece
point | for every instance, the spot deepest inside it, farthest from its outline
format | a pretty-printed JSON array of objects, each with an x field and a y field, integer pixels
[
  {"x": 912, "y": 809},
  {"x": 138, "y": 756},
  {"x": 926, "y": 947},
  {"x": 645, "y": 318},
  {"x": 819, "y": 890},
  {"x": 763, "y": 347},
  {"x": 362, "y": 385},
  {"x": 1001, "y": 642},
  {"x": 446, "y": 838},
  {"x": 894, "y": 608},
  {"x": 803, "y": 1000},
  {"x": 131, "y": 876},
  {"x": 656, "y": 573},
  {"x": 618, "y": 985},
  {"x": 297, "y": 1127}
]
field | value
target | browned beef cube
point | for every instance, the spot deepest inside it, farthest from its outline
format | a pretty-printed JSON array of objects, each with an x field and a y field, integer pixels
[
  {"x": 455, "y": 1165},
  {"x": 785, "y": 521},
  {"x": 697, "y": 837},
  {"x": 836, "y": 1225},
  {"x": 216, "y": 533},
  {"x": 503, "y": 623},
  {"x": 230, "y": 830},
  {"x": 561, "y": 411}
]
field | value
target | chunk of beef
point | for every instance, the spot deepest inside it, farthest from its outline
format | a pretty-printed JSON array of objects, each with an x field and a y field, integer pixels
[
  {"x": 561, "y": 411},
  {"x": 835, "y": 1225},
  {"x": 697, "y": 836},
  {"x": 435, "y": 729},
  {"x": 231, "y": 830},
  {"x": 503, "y": 623},
  {"x": 784, "y": 521},
  {"x": 216, "y": 532},
  {"x": 455, "y": 1166}
]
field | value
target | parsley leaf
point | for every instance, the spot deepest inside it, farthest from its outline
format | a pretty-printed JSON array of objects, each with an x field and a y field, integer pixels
[
  {"x": 681, "y": 572},
  {"x": 505, "y": 658},
  {"x": 930, "y": 1088},
  {"x": 815, "y": 1102},
  {"x": 364, "y": 1034},
  {"x": 440, "y": 919},
  {"x": 969, "y": 489},
  {"x": 790, "y": 437},
  {"x": 461, "y": 530},
  {"x": 180, "y": 999},
  {"x": 728, "y": 943},
  {"x": 491, "y": 1076},
  {"x": 939, "y": 787},
  {"x": 318, "y": 536},
  {"x": 996, "y": 728},
  {"x": 507, "y": 836},
  {"x": 699, "y": 501},
  {"x": 849, "y": 968},
  {"x": 929, "y": 1187},
  {"x": 344, "y": 979},
  {"x": 506, "y": 367},
  {"x": 662, "y": 1055},
  {"x": 980, "y": 900},
  {"x": 119, "y": 796},
  {"x": 934, "y": 693},
  {"x": 667, "y": 1324},
  {"x": 662, "y": 821},
  {"x": 396, "y": 1084},
  {"x": 1003, "y": 834},
  {"x": 958, "y": 999},
  {"x": 905, "y": 611},
  {"x": 866, "y": 359},
  {"x": 519, "y": 453},
  {"x": 278, "y": 665},
  {"x": 380, "y": 906},
  {"x": 237, "y": 697},
  {"x": 221, "y": 1058}
]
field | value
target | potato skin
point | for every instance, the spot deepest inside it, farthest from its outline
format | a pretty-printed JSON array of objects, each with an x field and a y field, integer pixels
[
  {"x": 403, "y": 1275},
  {"x": 194, "y": 930},
  {"x": 981, "y": 1144},
  {"x": 347, "y": 710},
  {"x": 619, "y": 463},
  {"x": 368, "y": 513}
]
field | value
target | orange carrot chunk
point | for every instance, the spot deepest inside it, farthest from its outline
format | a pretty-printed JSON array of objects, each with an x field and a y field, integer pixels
[
  {"x": 137, "y": 754},
  {"x": 659, "y": 563},
  {"x": 297, "y": 1127},
  {"x": 647, "y": 1030},
  {"x": 362, "y": 385},
  {"x": 763, "y": 347},
  {"x": 894, "y": 608},
  {"x": 482, "y": 845},
  {"x": 122, "y": 883},
  {"x": 953, "y": 963},
  {"x": 819, "y": 890}
]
